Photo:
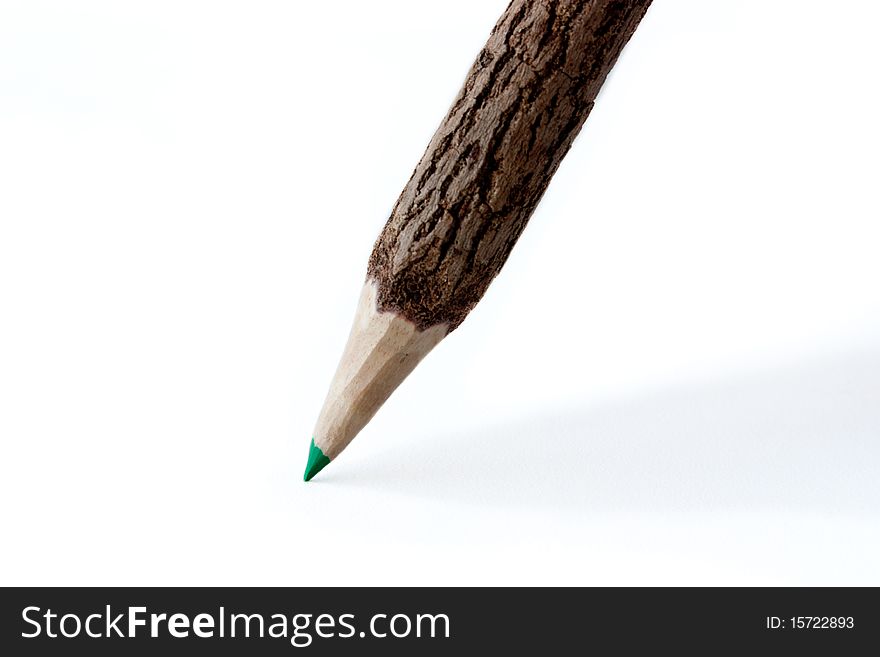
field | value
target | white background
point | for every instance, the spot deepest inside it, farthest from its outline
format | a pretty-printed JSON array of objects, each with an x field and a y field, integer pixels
[{"x": 675, "y": 380}]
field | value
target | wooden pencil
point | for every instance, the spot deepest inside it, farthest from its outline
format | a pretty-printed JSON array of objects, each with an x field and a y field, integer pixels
[{"x": 522, "y": 104}]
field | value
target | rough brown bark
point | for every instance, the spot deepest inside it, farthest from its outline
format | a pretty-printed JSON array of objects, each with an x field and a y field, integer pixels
[{"x": 523, "y": 103}]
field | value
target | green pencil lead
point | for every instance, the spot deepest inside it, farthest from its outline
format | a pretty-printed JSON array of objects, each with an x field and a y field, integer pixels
[{"x": 317, "y": 461}]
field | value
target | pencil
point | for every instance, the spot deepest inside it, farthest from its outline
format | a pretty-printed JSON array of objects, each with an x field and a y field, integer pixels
[{"x": 522, "y": 104}]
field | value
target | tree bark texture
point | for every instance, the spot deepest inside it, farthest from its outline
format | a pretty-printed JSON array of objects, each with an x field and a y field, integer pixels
[{"x": 522, "y": 104}]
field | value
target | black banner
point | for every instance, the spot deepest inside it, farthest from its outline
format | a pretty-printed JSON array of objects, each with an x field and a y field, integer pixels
[{"x": 277, "y": 621}]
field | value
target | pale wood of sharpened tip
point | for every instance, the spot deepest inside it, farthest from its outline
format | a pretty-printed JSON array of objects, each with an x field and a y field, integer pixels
[{"x": 382, "y": 349}]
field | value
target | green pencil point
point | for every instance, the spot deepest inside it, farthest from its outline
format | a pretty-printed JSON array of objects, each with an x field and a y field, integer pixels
[{"x": 317, "y": 461}]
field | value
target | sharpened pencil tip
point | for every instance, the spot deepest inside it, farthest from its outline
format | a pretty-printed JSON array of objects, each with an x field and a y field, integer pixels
[{"x": 317, "y": 461}]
